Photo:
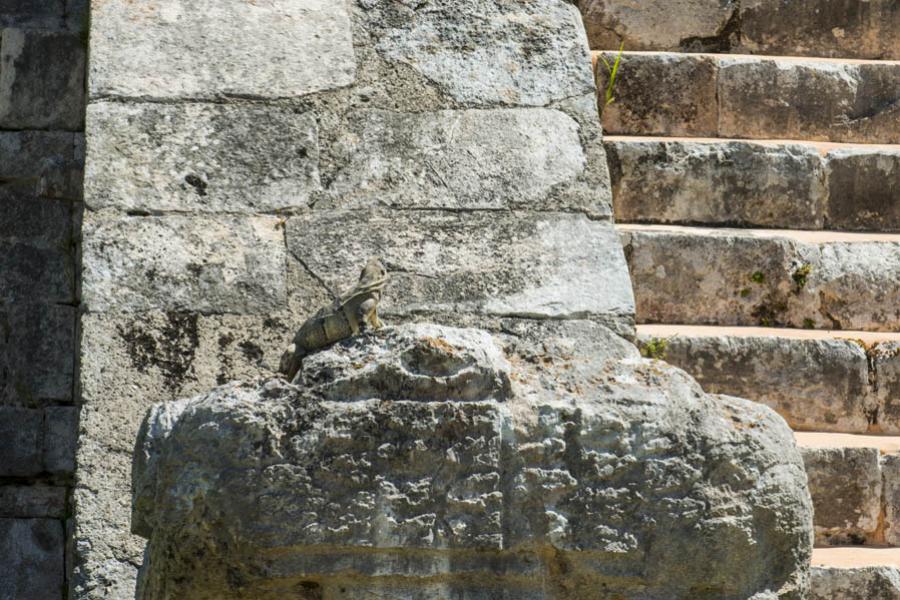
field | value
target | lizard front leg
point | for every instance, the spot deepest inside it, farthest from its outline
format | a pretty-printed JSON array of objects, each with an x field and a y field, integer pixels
[{"x": 367, "y": 315}]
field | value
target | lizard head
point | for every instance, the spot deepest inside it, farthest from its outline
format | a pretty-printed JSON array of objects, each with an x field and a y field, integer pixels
[{"x": 373, "y": 274}]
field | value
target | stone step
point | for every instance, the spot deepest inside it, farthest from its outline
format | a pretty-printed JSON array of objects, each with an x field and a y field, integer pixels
[
  {"x": 740, "y": 96},
  {"x": 747, "y": 277},
  {"x": 712, "y": 181},
  {"x": 854, "y": 573},
  {"x": 838, "y": 381},
  {"x": 847, "y": 28}
]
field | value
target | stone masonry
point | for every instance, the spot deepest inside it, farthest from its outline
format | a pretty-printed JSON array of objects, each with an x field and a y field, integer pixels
[
  {"x": 42, "y": 70},
  {"x": 246, "y": 158}
]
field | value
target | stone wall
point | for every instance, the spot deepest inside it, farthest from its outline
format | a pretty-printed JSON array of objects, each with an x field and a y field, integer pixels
[
  {"x": 42, "y": 62},
  {"x": 245, "y": 158}
]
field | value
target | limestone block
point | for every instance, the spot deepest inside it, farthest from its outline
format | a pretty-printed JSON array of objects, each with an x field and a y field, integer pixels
[
  {"x": 545, "y": 265},
  {"x": 42, "y": 82},
  {"x": 200, "y": 157},
  {"x": 205, "y": 264},
  {"x": 846, "y": 487},
  {"x": 518, "y": 54},
  {"x": 890, "y": 468},
  {"x": 816, "y": 385},
  {"x": 809, "y": 100},
  {"x": 862, "y": 188},
  {"x": 718, "y": 183},
  {"x": 210, "y": 49},
  {"x": 864, "y": 583},
  {"x": 32, "y": 501},
  {"x": 661, "y": 94},
  {"x": 37, "y": 345},
  {"x": 42, "y": 163},
  {"x": 886, "y": 366},
  {"x": 467, "y": 159},
  {"x": 858, "y": 29},
  {"x": 733, "y": 277},
  {"x": 21, "y": 436},
  {"x": 60, "y": 435},
  {"x": 566, "y": 481},
  {"x": 32, "y": 566},
  {"x": 655, "y": 24},
  {"x": 37, "y": 261},
  {"x": 39, "y": 14}
]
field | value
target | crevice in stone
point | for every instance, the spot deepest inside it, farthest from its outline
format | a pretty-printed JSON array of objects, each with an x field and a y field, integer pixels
[{"x": 727, "y": 39}]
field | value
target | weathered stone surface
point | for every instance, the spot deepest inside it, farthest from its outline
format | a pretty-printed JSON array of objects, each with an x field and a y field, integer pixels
[
  {"x": 862, "y": 186},
  {"x": 32, "y": 13},
  {"x": 519, "y": 54},
  {"x": 866, "y": 583},
  {"x": 37, "y": 348},
  {"x": 32, "y": 501},
  {"x": 890, "y": 470},
  {"x": 200, "y": 157},
  {"x": 511, "y": 264},
  {"x": 21, "y": 436},
  {"x": 32, "y": 565},
  {"x": 42, "y": 163},
  {"x": 42, "y": 80},
  {"x": 845, "y": 484},
  {"x": 885, "y": 359},
  {"x": 136, "y": 359},
  {"x": 816, "y": 385},
  {"x": 59, "y": 437},
  {"x": 592, "y": 454},
  {"x": 661, "y": 94},
  {"x": 719, "y": 183},
  {"x": 209, "y": 49},
  {"x": 840, "y": 28},
  {"x": 655, "y": 24},
  {"x": 471, "y": 159},
  {"x": 207, "y": 264},
  {"x": 732, "y": 277},
  {"x": 809, "y": 100}
]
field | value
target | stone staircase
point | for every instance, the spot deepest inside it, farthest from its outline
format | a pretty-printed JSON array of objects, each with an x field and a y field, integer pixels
[{"x": 754, "y": 151}]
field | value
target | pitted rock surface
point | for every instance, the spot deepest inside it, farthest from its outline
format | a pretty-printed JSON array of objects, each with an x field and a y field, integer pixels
[{"x": 571, "y": 465}]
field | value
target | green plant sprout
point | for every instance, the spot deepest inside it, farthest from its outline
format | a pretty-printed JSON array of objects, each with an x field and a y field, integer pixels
[{"x": 613, "y": 70}]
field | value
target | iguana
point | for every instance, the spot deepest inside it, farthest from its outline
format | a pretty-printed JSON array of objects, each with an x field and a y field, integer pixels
[{"x": 352, "y": 313}]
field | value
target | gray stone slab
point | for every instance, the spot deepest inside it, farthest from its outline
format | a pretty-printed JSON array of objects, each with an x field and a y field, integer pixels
[
  {"x": 684, "y": 182},
  {"x": 33, "y": 273},
  {"x": 42, "y": 81},
  {"x": 655, "y": 24},
  {"x": 840, "y": 28},
  {"x": 37, "y": 353},
  {"x": 550, "y": 265},
  {"x": 470, "y": 159},
  {"x": 205, "y": 264},
  {"x": 60, "y": 437},
  {"x": 33, "y": 501},
  {"x": 845, "y": 485},
  {"x": 42, "y": 163},
  {"x": 209, "y": 49},
  {"x": 862, "y": 189},
  {"x": 43, "y": 14},
  {"x": 32, "y": 566},
  {"x": 730, "y": 277},
  {"x": 816, "y": 385},
  {"x": 518, "y": 54},
  {"x": 21, "y": 441},
  {"x": 863, "y": 583},
  {"x": 686, "y": 82},
  {"x": 200, "y": 157},
  {"x": 809, "y": 100},
  {"x": 890, "y": 469}
]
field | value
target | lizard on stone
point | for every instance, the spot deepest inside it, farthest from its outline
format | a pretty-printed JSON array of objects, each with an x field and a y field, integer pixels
[{"x": 354, "y": 312}]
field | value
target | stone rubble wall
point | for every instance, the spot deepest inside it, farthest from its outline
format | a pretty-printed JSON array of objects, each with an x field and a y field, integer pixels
[
  {"x": 42, "y": 71},
  {"x": 245, "y": 158}
]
